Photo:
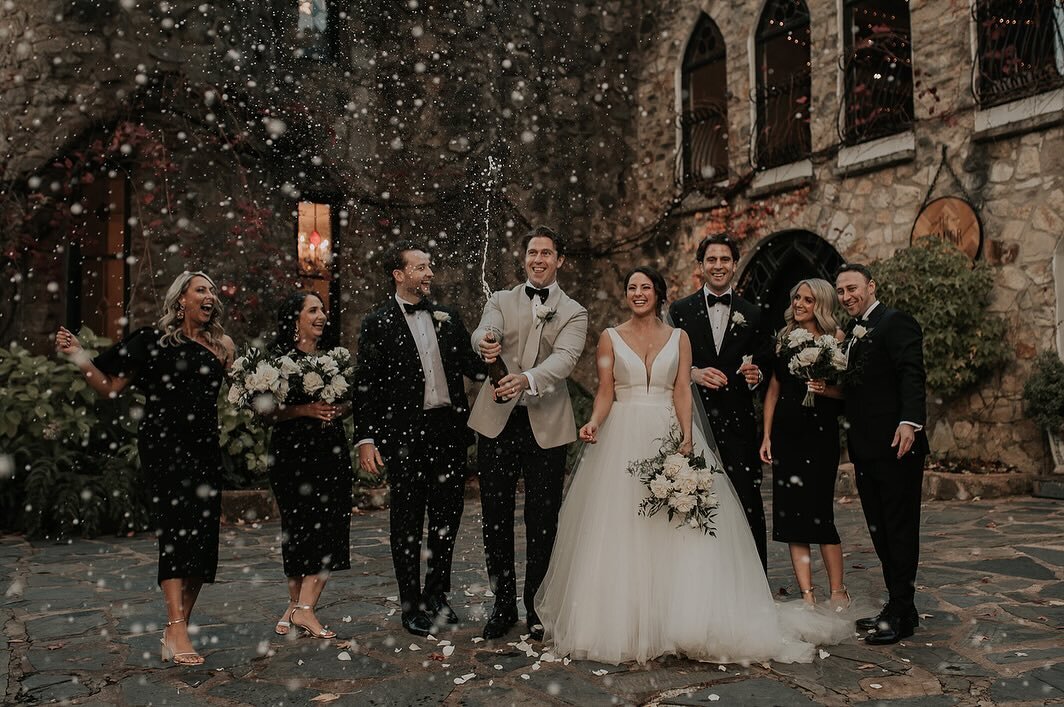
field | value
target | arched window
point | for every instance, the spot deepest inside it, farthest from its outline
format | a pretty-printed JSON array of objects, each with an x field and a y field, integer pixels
[
  {"x": 783, "y": 79},
  {"x": 705, "y": 104},
  {"x": 1019, "y": 49},
  {"x": 877, "y": 66},
  {"x": 314, "y": 29}
]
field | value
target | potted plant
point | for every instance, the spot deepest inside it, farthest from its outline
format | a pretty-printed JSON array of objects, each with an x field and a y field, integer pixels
[{"x": 1043, "y": 397}]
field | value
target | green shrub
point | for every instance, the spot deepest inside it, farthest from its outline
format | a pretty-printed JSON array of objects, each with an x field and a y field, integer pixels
[
  {"x": 69, "y": 458},
  {"x": 1043, "y": 393},
  {"x": 937, "y": 284}
]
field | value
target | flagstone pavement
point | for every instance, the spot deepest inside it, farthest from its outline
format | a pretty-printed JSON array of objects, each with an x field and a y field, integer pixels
[{"x": 82, "y": 622}]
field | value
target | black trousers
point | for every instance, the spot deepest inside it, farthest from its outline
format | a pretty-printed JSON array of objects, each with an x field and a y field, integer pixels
[
  {"x": 890, "y": 492},
  {"x": 743, "y": 466},
  {"x": 501, "y": 461},
  {"x": 426, "y": 473}
]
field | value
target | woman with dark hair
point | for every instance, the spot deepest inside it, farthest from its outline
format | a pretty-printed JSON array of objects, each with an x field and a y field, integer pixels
[
  {"x": 179, "y": 366},
  {"x": 310, "y": 472},
  {"x": 622, "y": 586},
  {"x": 802, "y": 445}
]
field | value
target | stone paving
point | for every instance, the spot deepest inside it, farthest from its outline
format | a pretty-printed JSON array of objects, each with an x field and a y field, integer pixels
[{"x": 82, "y": 623}]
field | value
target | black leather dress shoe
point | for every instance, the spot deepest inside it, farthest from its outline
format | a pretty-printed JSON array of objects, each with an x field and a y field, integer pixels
[
  {"x": 891, "y": 629},
  {"x": 872, "y": 622},
  {"x": 499, "y": 623},
  {"x": 438, "y": 608},
  {"x": 417, "y": 623},
  {"x": 535, "y": 627}
]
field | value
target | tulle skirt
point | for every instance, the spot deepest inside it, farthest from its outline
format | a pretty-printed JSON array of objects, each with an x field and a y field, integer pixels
[{"x": 622, "y": 587}]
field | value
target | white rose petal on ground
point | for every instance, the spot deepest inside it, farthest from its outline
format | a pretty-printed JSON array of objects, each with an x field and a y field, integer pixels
[
  {"x": 714, "y": 697},
  {"x": 415, "y": 647},
  {"x": 875, "y": 686},
  {"x": 599, "y": 673},
  {"x": 497, "y": 666},
  {"x": 526, "y": 676},
  {"x": 448, "y": 650},
  {"x": 343, "y": 655},
  {"x": 346, "y": 619},
  {"x": 823, "y": 654},
  {"x": 477, "y": 639}
]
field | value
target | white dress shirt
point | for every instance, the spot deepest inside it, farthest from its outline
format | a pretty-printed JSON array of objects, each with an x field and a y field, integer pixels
[
  {"x": 533, "y": 302},
  {"x": 423, "y": 330},
  {"x": 718, "y": 315}
]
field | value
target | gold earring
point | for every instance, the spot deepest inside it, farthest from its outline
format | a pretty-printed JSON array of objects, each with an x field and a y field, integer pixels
[{"x": 180, "y": 312}]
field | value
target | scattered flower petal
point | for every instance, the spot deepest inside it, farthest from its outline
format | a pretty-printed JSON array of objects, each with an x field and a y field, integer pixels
[{"x": 343, "y": 655}]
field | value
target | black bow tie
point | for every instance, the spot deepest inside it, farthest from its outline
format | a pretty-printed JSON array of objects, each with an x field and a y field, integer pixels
[
  {"x": 533, "y": 291},
  {"x": 712, "y": 299},
  {"x": 422, "y": 306}
]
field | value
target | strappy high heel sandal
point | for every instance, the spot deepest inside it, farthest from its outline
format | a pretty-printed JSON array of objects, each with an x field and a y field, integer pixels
[
  {"x": 281, "y": 629},
  {"x": 324, "y": 633},
  {"x": 168, "y": 654},
  {"x": 808, "y": 597},
  {"x": 838, "y": 604}
]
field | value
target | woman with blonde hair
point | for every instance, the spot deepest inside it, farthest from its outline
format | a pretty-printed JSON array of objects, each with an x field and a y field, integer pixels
[
  {"x": 179, "y": 366},
  {"x": 802, "y": 445}
]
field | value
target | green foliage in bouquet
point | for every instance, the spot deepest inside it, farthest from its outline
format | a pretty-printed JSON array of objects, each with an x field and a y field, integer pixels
[
  {"x": 1043, "y": 393},
  {"x": 937, "y": 284},
  {"x": 68, "y": 460},
  {"x": 245, "y": 443}
]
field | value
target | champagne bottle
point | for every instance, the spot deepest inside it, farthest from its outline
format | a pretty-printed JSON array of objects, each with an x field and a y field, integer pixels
[{"x": 497, "y": 369}]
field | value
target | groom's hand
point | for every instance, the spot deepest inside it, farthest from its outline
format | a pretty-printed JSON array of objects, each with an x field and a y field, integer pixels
[
  {"x": 369, "y": 458},
  {"x": 904, "y": 437},
  {"x": 711, "y": 378},
  {"x": 489, "y": 348},
  {"x": 511, "y": 386}
]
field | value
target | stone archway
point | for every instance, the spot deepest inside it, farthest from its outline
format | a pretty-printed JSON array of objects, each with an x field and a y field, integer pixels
[{"x": 780, "y": 261}]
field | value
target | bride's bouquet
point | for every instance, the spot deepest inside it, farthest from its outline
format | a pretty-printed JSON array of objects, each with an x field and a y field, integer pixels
[
  {"x": 259, "y": 380},
  {"x": 813, "y": 357},
  {"x": 680, "y": 486},
  {"x": 324, "y": 377}
]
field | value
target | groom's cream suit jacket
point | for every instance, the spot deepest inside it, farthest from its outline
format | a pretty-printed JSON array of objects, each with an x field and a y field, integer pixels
[{"x": 547, "y": 349}]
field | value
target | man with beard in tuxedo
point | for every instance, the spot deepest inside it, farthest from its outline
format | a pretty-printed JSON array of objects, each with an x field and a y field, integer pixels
[
  {"x": 886, "y": 410},
  {"x": 411, "y": 412}
]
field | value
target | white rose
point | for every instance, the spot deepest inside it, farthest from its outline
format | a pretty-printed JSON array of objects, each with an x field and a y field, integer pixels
[
  {"x": 660, "y": 486},
  {"x": 686, "y": 481},
  {"x": 738, "y": 319},
  {"x": 708, "y": 500},
  {"x": 328, "y": 393},
  {"x": 683, "y": 502},
  {"x": 542, "y": 311},
  {"x": 839, "y": 360},
  {"x": 797, "y": 337},
  {"x": 807, "y": 357},
  {"x": 235, "y": 393},
  {"x": 339, "y": 384},
  {"x": 673, "y": 464},
  {"x": 267, "y": 375},
  {"x": 312, "y": 382},
  {"x": 288, "y": 366},
  {"x": 238, "y": 365},
  {"x": 341, "y": 355},
  {"x": 328, "y": 365},
  {"x": 859, "y": 331},
  {"x": 826, "y": 341},
  {"x": 705, "y": 479},
  {"x": 254, "y": 381},
  {"x": 441, "y": 316},
  {"x": 282, "y": 390}
]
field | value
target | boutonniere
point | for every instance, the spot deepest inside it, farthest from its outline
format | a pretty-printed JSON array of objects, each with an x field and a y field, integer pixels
[
  {"x": 738, "y": 320},
  {"x": 544, "y": 314},
  {"x": 859, "y": 332},
  {"x": 441, "y": 316}
]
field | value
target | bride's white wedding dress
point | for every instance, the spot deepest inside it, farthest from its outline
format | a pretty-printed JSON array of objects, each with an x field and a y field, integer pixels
[{"x": 624, "y": 587}]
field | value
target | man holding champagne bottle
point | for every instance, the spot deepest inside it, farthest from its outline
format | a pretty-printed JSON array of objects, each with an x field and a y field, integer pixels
[{"x": 531, "y": 337}]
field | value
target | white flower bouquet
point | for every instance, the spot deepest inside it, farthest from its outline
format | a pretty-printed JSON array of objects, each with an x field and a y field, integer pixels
[
  {"x": 814, "y": 357},
  {"x": 680, "y": 486},
  {"x": 324, "y": 377},
  {"x": 260, "y": 381}
]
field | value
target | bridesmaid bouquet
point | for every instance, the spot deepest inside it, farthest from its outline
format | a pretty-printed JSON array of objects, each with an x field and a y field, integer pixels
[
  {"x": 814, "y": 357},
  {"x": 260, "y": 381},
  {"x": 680, "y": 486},
  {"x": 324, "y": 377}
]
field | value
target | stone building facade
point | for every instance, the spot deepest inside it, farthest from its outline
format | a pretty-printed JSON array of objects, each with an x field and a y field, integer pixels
[{"x": 206, "y": 130}]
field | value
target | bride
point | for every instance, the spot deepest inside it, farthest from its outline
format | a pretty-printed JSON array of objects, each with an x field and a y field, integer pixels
[{"x": 624, "y": 587}]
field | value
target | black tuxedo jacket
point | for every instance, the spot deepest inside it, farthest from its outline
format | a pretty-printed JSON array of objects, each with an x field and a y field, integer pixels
[
  {"x": 886, "y": 385},
  {"x": 390, "y": 383},
  {"x": 731, "y": 409}
]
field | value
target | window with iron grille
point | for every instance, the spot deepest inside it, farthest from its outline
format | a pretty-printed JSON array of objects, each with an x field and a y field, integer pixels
[
  {"x": 1019, "y": 50},
  {"x": 782, "y": 94},
  {"x": 704, "y": 116},
  {"x": 315, "y": 30},
  {"x": 878, "y": 71}
]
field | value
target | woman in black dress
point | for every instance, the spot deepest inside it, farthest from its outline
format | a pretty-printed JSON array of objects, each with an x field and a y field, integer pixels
[
  {"x": 311, "y": 475},
  {"x": 179, "y": 366},
  {"x": 802, "y": 445}
]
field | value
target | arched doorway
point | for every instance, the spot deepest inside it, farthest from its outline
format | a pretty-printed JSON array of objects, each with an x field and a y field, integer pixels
[{"x": 779, "y": 262}]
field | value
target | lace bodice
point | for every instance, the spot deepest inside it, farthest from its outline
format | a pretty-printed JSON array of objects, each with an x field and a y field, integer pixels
[{"x": 633, "y": 383}]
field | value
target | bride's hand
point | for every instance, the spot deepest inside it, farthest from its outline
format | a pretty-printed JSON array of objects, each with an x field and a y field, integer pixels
[
  {"x": 588, "y": 433},
  {"x": 685, "y": 448}
]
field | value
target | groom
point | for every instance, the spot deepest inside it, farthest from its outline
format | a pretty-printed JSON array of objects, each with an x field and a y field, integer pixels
[
  {"x": 411, "y": 414},
  {"x": 886, "y": 407},
  {"x": 539, "y": 333},
  {"x": 728, "y": 350}
]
